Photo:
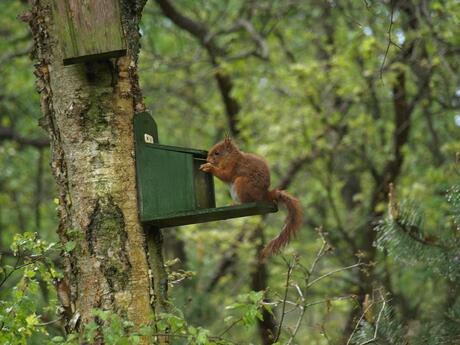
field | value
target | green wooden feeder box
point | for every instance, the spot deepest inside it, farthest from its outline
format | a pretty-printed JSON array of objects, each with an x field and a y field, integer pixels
[
  {"x": 89, "y": 30},
  {"x": 171, "y": 189}
]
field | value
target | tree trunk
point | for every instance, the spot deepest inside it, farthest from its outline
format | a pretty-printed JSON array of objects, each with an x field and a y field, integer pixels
[{"x": 88, "y": 112}]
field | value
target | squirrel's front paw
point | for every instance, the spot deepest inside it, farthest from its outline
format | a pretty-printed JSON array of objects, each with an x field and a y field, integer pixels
[{"x": 207, "y": 167}]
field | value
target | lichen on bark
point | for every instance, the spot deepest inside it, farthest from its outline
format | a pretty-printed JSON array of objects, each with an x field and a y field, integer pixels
[
  {"x": 106, "y": 238},
  {"x": 88, "y": 111}
]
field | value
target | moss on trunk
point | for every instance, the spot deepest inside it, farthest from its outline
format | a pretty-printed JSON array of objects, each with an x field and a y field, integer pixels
[{"x": 88, "y": 111}]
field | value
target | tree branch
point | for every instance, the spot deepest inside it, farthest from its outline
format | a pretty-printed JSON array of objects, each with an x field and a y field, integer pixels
[
  {"x": 201, "y": 33},
  {"x": 255, "y": 36},
  {"x": 15, "y": 54},
  {"x": 390, "y": 40},
  {"x": 196, "y": 29},
  {"x": 9, "y": 134}
]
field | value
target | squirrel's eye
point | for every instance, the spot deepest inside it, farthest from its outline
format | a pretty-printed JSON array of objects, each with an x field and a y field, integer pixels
[{"x": 216, "y": 153}]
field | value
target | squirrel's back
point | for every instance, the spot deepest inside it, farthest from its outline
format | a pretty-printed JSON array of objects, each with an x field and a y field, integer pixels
[{"x": 256, "y": 168}]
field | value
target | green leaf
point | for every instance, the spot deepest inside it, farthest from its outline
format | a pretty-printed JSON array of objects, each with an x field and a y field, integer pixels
[
  {"x": 134, "y": 339},
  {"x": 69, "y": 246},
  {"x": 32, "y": 320},
  {"x": 146, "y": 331}
]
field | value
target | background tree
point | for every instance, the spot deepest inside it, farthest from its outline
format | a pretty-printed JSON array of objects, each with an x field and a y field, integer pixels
[{"x": 347, "y": 82}]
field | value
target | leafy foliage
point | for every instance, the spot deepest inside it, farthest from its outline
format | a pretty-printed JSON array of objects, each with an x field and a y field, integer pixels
[
  {"x": 21, "y": 317},
  {"x": 402, "y": 236},
  {"x": 245, "y": 311},
  {"x": 319, "y": 88}
]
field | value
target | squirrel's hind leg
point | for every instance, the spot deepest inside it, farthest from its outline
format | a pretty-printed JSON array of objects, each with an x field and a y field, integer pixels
[{"x": 246, "y": 191}]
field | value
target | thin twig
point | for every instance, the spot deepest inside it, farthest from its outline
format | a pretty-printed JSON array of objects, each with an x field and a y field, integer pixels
[
  {"x": 319, "y": 254},
  {"x": 15, "y": 268},
  {"x": 297, "y": 326},
  {"x": 297, "y": 287},
  {"x": 296, "y": 304},
  {"x": 308, "y": 284},
  {"x": 340, "y": 298},
  {"x": 390, "y": 41},
  {"x": 336, "y": 215},
  {"x": 230, "y": 327},
  {"x": 377, "y": 322},
  {"x": 359, "y": 321},
  {"x": 333, "y": 272},
  {"x": 48, "y": 323},
  {"x": 362, "y": 316},
  {"x": 286, "y": 289}
]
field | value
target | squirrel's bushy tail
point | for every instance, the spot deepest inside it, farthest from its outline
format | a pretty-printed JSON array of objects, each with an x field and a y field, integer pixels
[{"x": 291, "y": 226}]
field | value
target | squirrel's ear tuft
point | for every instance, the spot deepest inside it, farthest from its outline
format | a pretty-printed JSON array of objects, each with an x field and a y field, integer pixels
[
  {"x": 227, "y": 139},
  {"x": 228, "y": 142}
]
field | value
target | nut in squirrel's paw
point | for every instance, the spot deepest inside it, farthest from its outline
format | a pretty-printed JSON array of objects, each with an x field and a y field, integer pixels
[{"x": 207, "y": 167}]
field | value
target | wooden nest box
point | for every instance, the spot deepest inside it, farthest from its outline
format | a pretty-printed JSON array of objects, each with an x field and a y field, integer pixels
[{"x": 89, "y": 30}]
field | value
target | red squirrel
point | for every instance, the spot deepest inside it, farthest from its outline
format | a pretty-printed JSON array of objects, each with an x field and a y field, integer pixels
[{"x": 248, "y": 177}]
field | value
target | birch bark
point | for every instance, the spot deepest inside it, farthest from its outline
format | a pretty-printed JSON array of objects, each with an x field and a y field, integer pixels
[{"x": 88, "y": 111}]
